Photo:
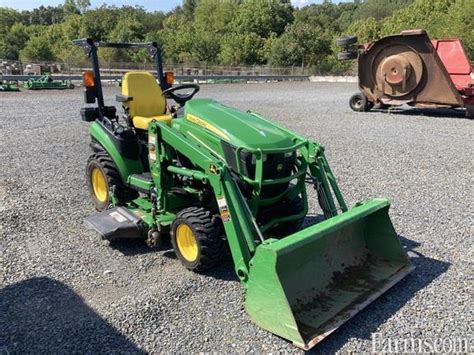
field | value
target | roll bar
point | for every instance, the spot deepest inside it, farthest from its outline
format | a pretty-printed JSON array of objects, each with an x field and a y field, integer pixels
[{"x": 90, "y": 48}]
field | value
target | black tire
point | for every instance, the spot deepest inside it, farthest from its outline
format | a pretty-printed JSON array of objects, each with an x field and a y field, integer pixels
[
  {"x": 291, "y": 207},
  {"x": 358, "y": 102},
  {"x": 346, "y": 41},
  {"x": 470, "y": 111},
  {"x": 348, "y": 55},
  {"x": 209, "y": 238},
  {"x": 104, "y": 163}
]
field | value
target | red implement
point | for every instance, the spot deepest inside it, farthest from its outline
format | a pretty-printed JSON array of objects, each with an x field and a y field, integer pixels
[{"x": 409, "y": 68}]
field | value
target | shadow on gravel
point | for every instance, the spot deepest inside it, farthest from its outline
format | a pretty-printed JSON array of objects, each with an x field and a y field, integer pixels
[
  {"x": 131, "y": 247},
  {"x": 44, "y": 316},
  {"x": 367, "y": 321},
  {"x": 441, "y": 112},
  {"x": 224, "y": 271}
]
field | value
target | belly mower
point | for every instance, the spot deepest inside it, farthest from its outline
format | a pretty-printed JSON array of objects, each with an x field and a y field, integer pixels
[
  {"x": 213, "y": 177},
  {"x": 46, "y": 82}
]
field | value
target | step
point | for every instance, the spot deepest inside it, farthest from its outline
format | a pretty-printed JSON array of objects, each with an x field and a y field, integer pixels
[
  {"x": 116, "y": 223},
  {"x": 141, "y": 182}
]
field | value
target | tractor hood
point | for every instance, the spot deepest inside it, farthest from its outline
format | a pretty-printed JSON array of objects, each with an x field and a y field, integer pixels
[{"x": 241, "y": 129}]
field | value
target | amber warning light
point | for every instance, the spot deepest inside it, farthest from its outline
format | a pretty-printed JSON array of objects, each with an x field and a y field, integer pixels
[
  {"x": 88, "y": 79},
  {"x": 169, "y": 77}
]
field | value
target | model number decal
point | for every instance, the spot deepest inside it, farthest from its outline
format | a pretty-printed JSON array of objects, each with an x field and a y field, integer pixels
[
  {"x": 223, "y": 209},
  {"x": 207, "y": 125}
]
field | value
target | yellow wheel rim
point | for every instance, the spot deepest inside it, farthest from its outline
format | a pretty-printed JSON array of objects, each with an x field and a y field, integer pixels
[
  {"x": 99, "y": 184},
  {"x": 187, "y": 243}
]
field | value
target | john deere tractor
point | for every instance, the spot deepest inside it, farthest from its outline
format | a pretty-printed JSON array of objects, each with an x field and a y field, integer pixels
[{"x": 212, "y": 177}]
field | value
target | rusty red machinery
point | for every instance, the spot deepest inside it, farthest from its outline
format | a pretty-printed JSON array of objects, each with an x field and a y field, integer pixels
[{"x": 409, "y": 68}]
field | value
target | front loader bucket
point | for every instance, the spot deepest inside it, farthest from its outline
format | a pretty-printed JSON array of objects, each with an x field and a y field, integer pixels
[{"x": 306, "y": 285}]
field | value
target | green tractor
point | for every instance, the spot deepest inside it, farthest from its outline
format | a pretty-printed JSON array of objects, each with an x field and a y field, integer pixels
[{"x": 212, "y": 177}]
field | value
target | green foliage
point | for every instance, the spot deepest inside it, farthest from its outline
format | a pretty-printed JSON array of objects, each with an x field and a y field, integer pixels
[
  {"x": 37, "y": 48},
  {"x": 242, "y": 48},
  {"x": 423, "y": 14},
  {"x": 211, "y": 23},
  {"x": 70, "y": 8},
  {"x": 458, "y": 22},
  {"x": 43, "y": 15},
  {"x": 177, "y": 34},
  {"x": 366, "y": 30},
  {"x": 379, "y": 9},
  {"x": 229, "y": 32}
]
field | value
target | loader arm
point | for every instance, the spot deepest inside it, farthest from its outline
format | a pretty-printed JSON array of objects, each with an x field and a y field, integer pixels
[{"x": 232, "y": 207}]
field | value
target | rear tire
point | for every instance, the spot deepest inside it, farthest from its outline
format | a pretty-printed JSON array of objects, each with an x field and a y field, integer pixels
[
  {"x": 102, "y": 175},
  {"x": 197, "y": 238}
]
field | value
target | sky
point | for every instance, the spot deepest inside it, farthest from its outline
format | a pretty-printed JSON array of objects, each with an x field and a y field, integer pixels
[{"x": 151, "y": 5}]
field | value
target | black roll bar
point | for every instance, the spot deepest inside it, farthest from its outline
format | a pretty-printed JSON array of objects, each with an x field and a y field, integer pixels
[{"x": 90, "y": 48}]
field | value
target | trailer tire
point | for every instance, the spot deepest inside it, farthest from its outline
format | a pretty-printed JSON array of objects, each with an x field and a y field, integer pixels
[
  {"x": 346, "y": 41},
  {"x": 359, "y": 103},
  {"x": 102, "y": 175},
  {"x": 197, "y": 238},
  {"x": 470, "y": 111},
  {"x": 348, "y": 55}
]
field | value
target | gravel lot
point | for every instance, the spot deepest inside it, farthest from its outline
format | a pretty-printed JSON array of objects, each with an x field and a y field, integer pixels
[{"x": 64, "y": 290}]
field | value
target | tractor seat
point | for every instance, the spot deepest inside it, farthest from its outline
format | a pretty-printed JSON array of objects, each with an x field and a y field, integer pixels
[{"x": 141, "y": 96}]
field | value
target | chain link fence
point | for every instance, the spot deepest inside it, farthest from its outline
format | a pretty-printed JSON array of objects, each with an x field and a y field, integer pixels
[{"x": 9, "y": 67}]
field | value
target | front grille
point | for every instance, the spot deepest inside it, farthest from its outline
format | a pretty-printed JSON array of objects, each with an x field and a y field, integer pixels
[{"x": 275, "y": 166}]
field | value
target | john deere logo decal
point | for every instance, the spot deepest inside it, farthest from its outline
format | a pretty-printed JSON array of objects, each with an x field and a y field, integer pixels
[
  {"x": 213, "y": 169},
  {"x": 279, "y": 167}
]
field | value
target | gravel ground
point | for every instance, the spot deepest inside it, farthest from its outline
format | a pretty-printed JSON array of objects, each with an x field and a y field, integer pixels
[{"x": 64, "y": 290}]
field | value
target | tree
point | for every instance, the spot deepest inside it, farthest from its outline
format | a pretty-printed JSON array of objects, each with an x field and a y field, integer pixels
[
  {"x": 212, "y": 21},
  {"x": 44, "y": 15},
  {"x": 379, "y": 9},
  {"x": 177, "y": 37},
  {"x": 8, "y": 17},
  {"x": 242, "y": 48},
  {"x": 70, "y": 8},
  {"x": 253, "y": 24},
  {"x": 13, "y": 41},
  {"x": 100, "y": 22},
  {"x": 421, "y": 14},
  {"x": 263, "y": 17},
  {"x": 366, "y": 30},
  {"x": 37, "y": 48},
  {"x": 188, "y": 8},
  {"x": 82, "y": 5},
  {"x": 308, "y": 39}
]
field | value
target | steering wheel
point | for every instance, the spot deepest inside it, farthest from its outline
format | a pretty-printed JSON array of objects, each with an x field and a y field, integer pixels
[{"x": 181, "y": 98}]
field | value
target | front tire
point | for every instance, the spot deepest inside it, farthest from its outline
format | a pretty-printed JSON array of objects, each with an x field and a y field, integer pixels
[
  {"x": 292, "y": 207},
  {"x": 197, "y": 238}
]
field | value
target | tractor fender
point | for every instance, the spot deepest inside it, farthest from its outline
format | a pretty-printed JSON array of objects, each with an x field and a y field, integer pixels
[{"x": 126, "y": 166}]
